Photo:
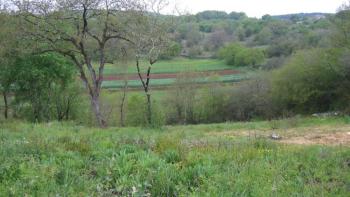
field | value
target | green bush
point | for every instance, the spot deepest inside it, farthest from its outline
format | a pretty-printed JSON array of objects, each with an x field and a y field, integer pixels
[
  {"x": 312, "y": 81},
  {"x": 238, "y": 55},
  {"x": 137, "y": 113},
  {"x": 44, "y": 87}
]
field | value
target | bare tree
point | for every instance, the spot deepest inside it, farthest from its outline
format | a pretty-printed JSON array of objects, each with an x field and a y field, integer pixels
[
  {"x": 149, "y": 41},
  {"x": 125, "y": 88},
  {"x": 81, "y": 30}
]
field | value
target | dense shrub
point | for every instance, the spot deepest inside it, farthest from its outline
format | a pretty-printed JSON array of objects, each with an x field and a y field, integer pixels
[
  {"x": 181, "y": 100},
  {"x": 137, "y": 113},
  {"x": 43, "y": 87},
  {"x": 311, "y": 81},
  {"x": 238, "y": 55},
  {"x": 251, "y": 99},
  {"x": 211, "y": 104},
  {"x": 172, "y": 51}
]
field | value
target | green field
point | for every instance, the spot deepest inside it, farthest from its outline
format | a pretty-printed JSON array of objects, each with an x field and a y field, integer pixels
[
  {"x": 167, "y": 82},
  {"x": 178, "y": 65},
  {"x": 61, "y": 159},
  {"x": 171, "y": 66}
]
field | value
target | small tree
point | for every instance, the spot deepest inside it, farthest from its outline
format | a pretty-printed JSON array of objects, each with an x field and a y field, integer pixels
[{"x": 149, "y": 41}]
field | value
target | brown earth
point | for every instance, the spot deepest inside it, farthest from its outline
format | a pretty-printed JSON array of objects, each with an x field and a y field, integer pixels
[
  {"x": 168, "y": 75},
  {"x": 323, "y": 139},
  {"x": 325, "y": 135}
]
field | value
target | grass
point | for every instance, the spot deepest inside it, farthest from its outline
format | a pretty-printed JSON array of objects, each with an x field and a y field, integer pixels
[
  {"x": 63, "y": 159},
  {"x": 167, "y": 82},
  {"x": 173, "y": 66}
]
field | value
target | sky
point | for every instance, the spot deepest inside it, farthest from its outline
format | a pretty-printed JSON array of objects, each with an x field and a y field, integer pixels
[{"x": 258, "y": 8}]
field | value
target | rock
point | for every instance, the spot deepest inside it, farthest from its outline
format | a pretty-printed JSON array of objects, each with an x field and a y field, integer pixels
[{"x": 275, "y": 136}]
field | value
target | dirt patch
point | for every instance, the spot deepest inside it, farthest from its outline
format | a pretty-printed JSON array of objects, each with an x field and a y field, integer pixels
[
  {"x": 322, "y": 139},
  {"x": 325, "y": 135},
  {"x": 168, "y": 75}
]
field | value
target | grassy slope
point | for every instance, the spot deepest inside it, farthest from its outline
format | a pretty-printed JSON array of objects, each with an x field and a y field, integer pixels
[{"x": 50, "y": 159}]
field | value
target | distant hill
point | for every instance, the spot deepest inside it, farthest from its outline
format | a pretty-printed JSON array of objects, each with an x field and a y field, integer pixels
[{"x": 302, "y": 16}]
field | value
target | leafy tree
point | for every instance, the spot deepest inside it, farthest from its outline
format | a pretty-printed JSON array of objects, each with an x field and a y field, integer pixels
[
  {"x": 230, "y": 52},
  {"x": 206, "y": 27},
  {"x": 342, "y": 24},
  {"x": 237, "y": 15},
  {"x": 173, "y": 50},
  {"x": 39, "y": 82},
  {"x": 208, "y": 15},
  {"x": 309, "y": 81},
  {"x": 238, "y": 55},
  {"x": 249, "y": 57},
  {"x": 282, "y": 47},
  {"x": 251, "y": 26},
  {"x": 264, "y": 37}
]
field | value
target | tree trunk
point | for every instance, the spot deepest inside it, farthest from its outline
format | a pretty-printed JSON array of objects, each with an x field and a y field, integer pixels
[
  {"x": 122, "y": 117},
  {"x": 6, "y": 105},
  {"x": 149, "y": 109},
  {"x": 95, "y": 103}
]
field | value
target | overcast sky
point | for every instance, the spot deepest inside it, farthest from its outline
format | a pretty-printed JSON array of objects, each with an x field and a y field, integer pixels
[{"x": 258, "y": 8}]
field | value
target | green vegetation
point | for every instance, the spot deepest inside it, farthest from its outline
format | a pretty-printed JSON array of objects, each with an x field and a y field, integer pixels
[
  {"x": 43, "y": 86},
  {"x": 238, "y": 55},
  {"x": 171, "y": 81},
  {"x": 67, "y": 160},
  {"x": 171, "y": 66},
  {"x": 313, "y": 80}
]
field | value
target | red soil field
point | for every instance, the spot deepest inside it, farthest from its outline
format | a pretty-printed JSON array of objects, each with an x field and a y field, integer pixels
[{"x": 169, "y": 75}]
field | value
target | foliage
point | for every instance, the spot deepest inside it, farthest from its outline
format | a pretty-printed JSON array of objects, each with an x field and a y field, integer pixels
[
  {"x": 209, "y": 15},
  {"x": 238, "y": 55},
  {"x": 172, "y": 51},
  {"x": 310, "y": 81},
  {"x": 41, "y": 84},
  {"x": 181, "y": 100},
  {"x": 342, "y": 24},
  {"x": 211, "y": 105},
  {"x": 137, "y": 113},
  {"x": 251, "y": 100},
  {"x": 282, "y": 47}
]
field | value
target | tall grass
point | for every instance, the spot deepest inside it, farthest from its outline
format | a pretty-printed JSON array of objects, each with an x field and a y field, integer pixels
[{"x": 61, "y": 159}]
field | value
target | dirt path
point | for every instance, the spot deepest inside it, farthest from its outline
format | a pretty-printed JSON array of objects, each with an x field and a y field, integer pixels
[
  {"x": 169, "y": 75},
  {"x": 325, "y": 135}
]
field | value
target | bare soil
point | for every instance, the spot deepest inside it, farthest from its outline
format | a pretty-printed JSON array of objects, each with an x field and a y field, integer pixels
[
  {"x": 168, "y": 75},
  {"x": 323, "y": 139},
  {"x": 326, "y": 135}
]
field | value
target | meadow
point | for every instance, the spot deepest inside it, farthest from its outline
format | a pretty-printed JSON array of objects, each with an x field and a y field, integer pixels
[{"x": 228, "y": 159}]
